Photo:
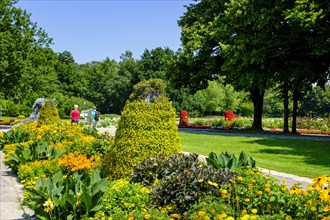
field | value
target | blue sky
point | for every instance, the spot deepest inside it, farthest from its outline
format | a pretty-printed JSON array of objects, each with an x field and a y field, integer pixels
[{"x": 93, "y": 30}]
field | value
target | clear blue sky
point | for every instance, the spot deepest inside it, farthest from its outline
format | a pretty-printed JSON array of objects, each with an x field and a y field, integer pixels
[{"x": 93, "y": 30}]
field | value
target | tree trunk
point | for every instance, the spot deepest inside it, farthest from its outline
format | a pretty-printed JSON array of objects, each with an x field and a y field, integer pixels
[
  {"x": 257, "y": 97},
  {"x": 286, "y": 109},
  {"x": 294, "y": 111}
]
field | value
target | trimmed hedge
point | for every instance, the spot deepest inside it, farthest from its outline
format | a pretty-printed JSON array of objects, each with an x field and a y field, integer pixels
[{"x": 145, "y": 129}]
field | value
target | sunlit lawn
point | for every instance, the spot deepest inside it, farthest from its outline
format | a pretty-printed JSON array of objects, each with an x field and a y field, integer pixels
[{"x": 300, "y": 157}]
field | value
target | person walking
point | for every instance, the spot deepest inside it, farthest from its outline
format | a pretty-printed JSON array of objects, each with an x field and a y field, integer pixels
[
  {"x": 75, "y": 115},
  {"x": 92, "y": 117}
]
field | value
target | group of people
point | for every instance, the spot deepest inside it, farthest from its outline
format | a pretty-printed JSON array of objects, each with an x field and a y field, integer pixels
[{"x": 93, "y": 116}]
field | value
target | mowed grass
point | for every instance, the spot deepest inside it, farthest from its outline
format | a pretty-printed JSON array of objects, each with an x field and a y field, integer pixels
[{"x": 300, "y": 157}]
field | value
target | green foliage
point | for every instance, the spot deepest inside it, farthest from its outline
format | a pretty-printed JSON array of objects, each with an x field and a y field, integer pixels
[
  {"x": 38, "y": 150},
  {"x": 15, "y": 135},
  {"x": 48, "y": 113},
  {"x": 246, "y": 109},
  {"x": 316, "y": 103},
  {"x": 25, "y": 59},
  {"x": 211, "y": 207},
  {"x": 122, "y": 198},
  {"x": 230, "y": 161},
  {"x": 218, "y": 97},
  {"x": 76, "y": 196},
  {"x": 148, "y": 89},
  {"x": 184, "y": 188},
  {"x": 179, "y": 180},
  {"x": 145, "y": 129},
  {"x": 40, "y": 169},
  {"x": 154, "y": 169}
]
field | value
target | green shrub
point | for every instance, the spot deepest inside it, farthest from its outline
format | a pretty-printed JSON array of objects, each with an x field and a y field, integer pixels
[
  {"x": 187, "y": 187},
  {"x": 121, "y": 198},
  {"x": 154, "y": 169},
  {"x": 145, "y": 129},
  {"x": 48, "y": 113},
  {"x": 179, "y": 180}
]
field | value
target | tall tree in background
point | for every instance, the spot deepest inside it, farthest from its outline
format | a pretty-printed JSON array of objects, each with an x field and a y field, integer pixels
[
  {"x": 73, "y": 82},
  {"x": 24, "y": 54},
  {"x": 309, "y": 55},
  {"x": 101, "y": 77}
]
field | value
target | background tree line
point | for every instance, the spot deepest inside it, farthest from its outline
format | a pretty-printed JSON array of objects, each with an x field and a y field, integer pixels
[{"x": 249, "y": 56}]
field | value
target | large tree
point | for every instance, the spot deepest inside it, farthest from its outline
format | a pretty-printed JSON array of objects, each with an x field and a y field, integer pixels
[
  {"x": 25, "y": 58},
  {"x": 256, "y": 45},
  {"x": 309, "y": 43},
  {"x": 233, "y": 39}
]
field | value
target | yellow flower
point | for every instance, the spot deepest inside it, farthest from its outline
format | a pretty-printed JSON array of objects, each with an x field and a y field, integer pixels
[
  {"x": 247, "y": 200},
  {"x": 206, "y": 218},
  {"x": 130, "y": 218},
  {"x": 254, "y": 211},
  {"x": 147, "y": 216},
  {"x": 223, "y": 192},
  {"x": 259, "y": 193},
  {"x": 267, "y": 185},
  {"x": 267, "y": 189},
  {"x": 49, "y": 205},
  {"x": 219, "y": 216},
  {"x": 240, "y": 178},
  {"x": 230, "y": 218},
  {"x": 321, "y": 181},
  {"x": 313, "y": 208},
  {"x": 176, "y": 216},
  {"x": 201, "y": 213},
  {"x": 212, "y": 183},
  {"x": 326, "y": 209},
  {"x": 325, "y": 195}
]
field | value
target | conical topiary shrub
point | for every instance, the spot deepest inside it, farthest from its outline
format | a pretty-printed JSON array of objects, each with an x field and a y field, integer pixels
[
  {"x": 48, "y": 113},
  {"x": 147, "y": 127}
]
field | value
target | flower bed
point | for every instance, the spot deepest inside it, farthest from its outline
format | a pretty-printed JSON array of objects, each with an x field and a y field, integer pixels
[{"x": 57, "y": 185}]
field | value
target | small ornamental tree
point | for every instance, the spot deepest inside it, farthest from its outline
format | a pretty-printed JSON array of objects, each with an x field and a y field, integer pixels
[
  {"x": 147, "y": 127},
  {"x": 184, "y": 119},
  {"x": 229, "y": 115},
  {"x": 49, "y": 113}
]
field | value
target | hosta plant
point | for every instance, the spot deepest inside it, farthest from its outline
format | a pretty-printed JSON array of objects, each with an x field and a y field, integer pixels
[
  {"x": 76, "y": 196},
  {"x": 230, "y": 161}
]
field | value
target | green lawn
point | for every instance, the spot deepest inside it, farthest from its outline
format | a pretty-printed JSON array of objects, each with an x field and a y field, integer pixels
[{"x": 300, "y": 157}]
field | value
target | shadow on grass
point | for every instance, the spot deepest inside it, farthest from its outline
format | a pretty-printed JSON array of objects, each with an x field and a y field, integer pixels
[{"x": 311, "y": 152}]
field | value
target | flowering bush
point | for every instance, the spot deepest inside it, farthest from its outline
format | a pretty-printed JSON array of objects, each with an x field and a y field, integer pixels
[
  {"x": 229, "y": 115},
  {"x": 184, "y": 122}
]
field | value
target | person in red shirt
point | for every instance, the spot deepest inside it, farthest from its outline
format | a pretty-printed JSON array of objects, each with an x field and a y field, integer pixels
[{"x": 75, "y": 114}]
